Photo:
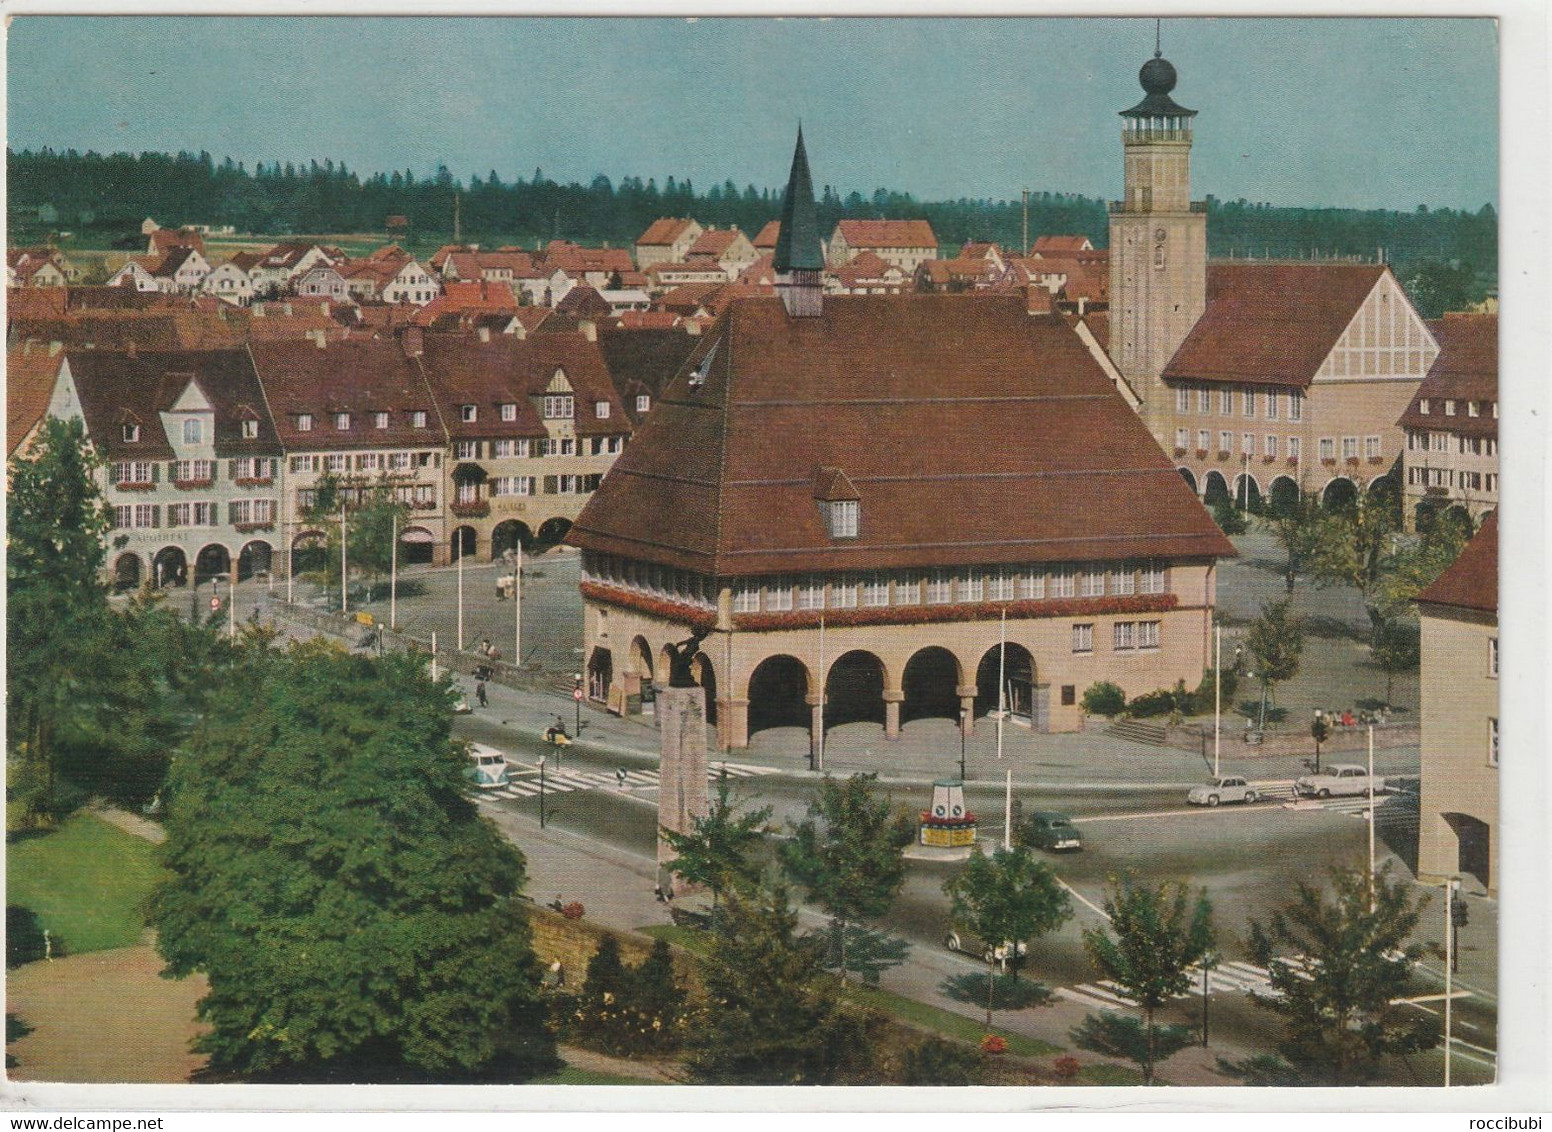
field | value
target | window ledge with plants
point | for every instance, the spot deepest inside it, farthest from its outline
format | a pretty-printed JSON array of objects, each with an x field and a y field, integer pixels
[
  {"x": 679, "y": 611},
  {"x": 969, "y": 611}
]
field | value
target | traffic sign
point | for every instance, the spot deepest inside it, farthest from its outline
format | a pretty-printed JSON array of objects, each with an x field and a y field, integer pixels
[
  {"x": 576, "y": 694},
  {"x": 215, "y": 604}
]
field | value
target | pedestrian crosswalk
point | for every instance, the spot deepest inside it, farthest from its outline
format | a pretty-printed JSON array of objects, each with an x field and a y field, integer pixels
[
  {"x": 1281, "y": 790},
  {"x": 525, "y": 781},
  {"x": 1229, "y": 976}
]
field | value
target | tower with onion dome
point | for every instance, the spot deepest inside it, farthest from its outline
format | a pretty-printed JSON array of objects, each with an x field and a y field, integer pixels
[{"x": 1158, "y": 242}]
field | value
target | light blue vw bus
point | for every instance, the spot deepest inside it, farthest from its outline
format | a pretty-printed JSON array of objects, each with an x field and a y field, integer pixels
[{"x": 487, "y": 767}]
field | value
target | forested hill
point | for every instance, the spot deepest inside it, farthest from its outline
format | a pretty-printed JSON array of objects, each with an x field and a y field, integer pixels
[{"x": 103, "y": 194}]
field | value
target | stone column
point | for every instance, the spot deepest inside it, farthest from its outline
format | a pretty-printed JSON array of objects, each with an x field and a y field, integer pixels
[
  {"x": 630, "y": 686},
  {"x": 816, "y": 720},
  {"x": 966, "y": 694},
  {"x": 738, "y": 723},
  {"x": 682, "y": 795},
  {"x": 893, "y": 698}
]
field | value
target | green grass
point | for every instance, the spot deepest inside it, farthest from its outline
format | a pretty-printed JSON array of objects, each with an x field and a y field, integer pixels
[
  {"x": 571, "y": 1075},
  {"x": 87, "y": 881},
  {"x": 1109, "y": 1073},
  {"x": 696, "y": 943}
]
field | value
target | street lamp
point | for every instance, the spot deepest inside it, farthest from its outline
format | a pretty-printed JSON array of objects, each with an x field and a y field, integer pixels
[
  {"x": 576, "y": 695},
  {"x": 1207, "y": 960},
  {"x": 964, "y": 719},
  {"x": 541, "y": 792}
]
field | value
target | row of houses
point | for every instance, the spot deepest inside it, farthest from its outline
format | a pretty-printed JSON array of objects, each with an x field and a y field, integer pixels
[{"x": 213, "y": 458}]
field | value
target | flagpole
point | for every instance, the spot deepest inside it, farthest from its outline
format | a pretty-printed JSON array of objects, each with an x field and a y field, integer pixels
[
  {"x": 1217, "y": 692},
  {"x": 1002, "y": 703},
  {"x": 517, "y": 617},
  {"x": 344, "y": 568},
  {"x": 393, "y": 576},
  {"x": 1371, "y": 818},
  {"x": 459, "y": 539},
  {"x": 821, "y": 693}
]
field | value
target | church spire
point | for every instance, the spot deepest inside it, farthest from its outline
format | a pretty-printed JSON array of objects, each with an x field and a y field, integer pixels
[{"x": 799, "y": 258}]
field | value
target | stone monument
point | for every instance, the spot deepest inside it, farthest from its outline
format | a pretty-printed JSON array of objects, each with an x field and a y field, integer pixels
[{"x": 681, "y": 713}]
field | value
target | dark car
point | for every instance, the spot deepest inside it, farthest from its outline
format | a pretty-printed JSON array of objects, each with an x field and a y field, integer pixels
[{"x": 1046, "y": 829}]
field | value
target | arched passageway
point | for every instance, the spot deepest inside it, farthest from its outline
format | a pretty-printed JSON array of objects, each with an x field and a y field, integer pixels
[
  {"x": 931, "y": 685},
  {"x": 126, "y": 571},
  {"x": 254, "y": 558},
  {"x": 1018, "y": 681},
  {"x": 1186, "y": 474},
  {"x": 464, "y": 541},
  {"x": 212, "y": 562},
  {"x": 854, "y": 690},
  {"x": 551, "y": 533},
  {"x": 169, "y": 567},
  {"x": 309, "y": 552},
  {"x": 778, "y": 691},
  {"x": 1341, "y": 494},
  {"x": 416, "y": 547},
  {"x": 641, "y": 653},
  {"x": 1215, "y": 489},
  {"x": 1284, "y": 496},
  {"x": 509, "y": 535},
  {"x": 1247, "y": 493},
  {"x": 600, "y": 674}
]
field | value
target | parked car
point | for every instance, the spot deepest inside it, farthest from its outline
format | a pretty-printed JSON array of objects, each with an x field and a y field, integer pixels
[
  {"x": 1226, "y": 788},
  {"x": 487, "y": 767},
  {"x": 1339, "y": 778},
  {"x": 971, "y": 944},
  {"x": 1046, "y": 829}
]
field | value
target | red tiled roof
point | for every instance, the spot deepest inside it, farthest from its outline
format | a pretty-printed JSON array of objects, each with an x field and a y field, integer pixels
[
  {"x": 864, "y": 265},
  {"x": 1271, "y": 323},
  {"x": 1466, "y": 370},
  {"x": 584, "y": 302},
  {"x": 1471, "y": 582},
  {"x": 359, "y": 376},
  {"x": 721, "y": 477},
  {"x": 647, "y": 320},
  {"x": 156, "y": 328},
  {"x": 714, "y": 242},
  {"x": 462, "y": 370},
  {"x": 762, "y": 270},
  {"x": 1049, "y": 244},
  {"x": 1099, "y": 324},
  {"x": 887, "y": 234},
  {"x": 439, "y": 256},
  {"x": 36, "y": 302},
  {"x": 30, "y": 373},
  {"x": 165, "y": 239},
  {"x": 767, "y": 237},
  {"x": 663, "y": 232}
]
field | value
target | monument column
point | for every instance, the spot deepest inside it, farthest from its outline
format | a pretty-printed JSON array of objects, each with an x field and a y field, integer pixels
[{"x": 681, "y": 716}]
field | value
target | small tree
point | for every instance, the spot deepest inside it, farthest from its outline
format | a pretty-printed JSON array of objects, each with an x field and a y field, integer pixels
[
  {"x": 1355, "y": 550},
  {"x": 1298, "y": 528},
  {"x": 1396, "y": 647},
  {"x": 715, "y": 851},
  {"x": 1104, "y": 698},
  {"x": 370, "y": 522},
  {"x": 848, "y": 853},
  {"x": 1007, "y": 899},
  {"x": 1275, "y": 642},
  {"x": 1158, "y": 934},
  {"x": 771, "y": 1015},
  {"x": 1320, "y": 731},
  {"x": 1338, "y": 969},
  {"x": 1131, "y": 1039}
]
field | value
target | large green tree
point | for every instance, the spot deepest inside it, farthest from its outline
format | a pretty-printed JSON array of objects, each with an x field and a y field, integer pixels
[
  {"x": 1275, "y": 642},
  {"x": 372, "y": 515},
  {"x": 56, "y": 529},
  {"x": 1338, "y": 962},
  {"x": 848, "y": 852},
  {"x": 1298, "y": 526},
  {"x": 1156, "y": 933},
  {"x": 770, "y": 1014},
  {"x": 1355, "y": 549},
  {"x": 717, "y": 850},
  {"x": 1007, "y": 899},
  {"x": 355, "y": 917}
]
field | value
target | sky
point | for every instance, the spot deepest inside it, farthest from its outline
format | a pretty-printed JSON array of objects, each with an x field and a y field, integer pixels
[{"x": 1363, "y": 113}]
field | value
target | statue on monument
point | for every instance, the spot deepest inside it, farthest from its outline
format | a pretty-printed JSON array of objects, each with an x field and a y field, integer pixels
[{"x": 682, "y": 656}]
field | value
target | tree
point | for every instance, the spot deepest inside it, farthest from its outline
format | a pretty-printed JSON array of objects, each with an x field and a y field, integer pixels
[
  {"x": 1007, "y": 899},
  {"x": 1299, "y": 528},
  {"x": 1275, "y": 642},
  {"x": 355, "y": 917},
  {"x": 57, "y": 524},
  {"x": 1354, "y": 550},
  {"x": 771, "y": 1014},
  {"x": 1158, "y": 934},
  {"x": 1131, "y": 1039},
  {"x": 1396, "y": 647},
  {"x": 372, "y": 515},
  {"x": 848, "y": 853},
  {"x": 715, "y": 851},
  {"x": 1338, "y": 968}
]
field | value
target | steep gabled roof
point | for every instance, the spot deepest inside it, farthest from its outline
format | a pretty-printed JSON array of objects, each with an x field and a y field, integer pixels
[
  {"x": 765, "y": 239},
  {"x": 971, "y": 433},
  {"x": 31, "y": 372},
  {"x": 887, "y": 234},
  {"x": 1471, "y": 582},
  {"x": 663, "y": 232},
  {"x": 1271, "y": 323},
  {"x": 1466, "y": 370},
  {"x": 359, "y": 376},
  {"x": 463, "y": 370},
  {"x": 1052, "y": 245}
]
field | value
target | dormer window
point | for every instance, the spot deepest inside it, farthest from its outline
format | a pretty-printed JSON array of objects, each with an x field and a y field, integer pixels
[
  {"x": 304, "y": 422},
  {"x": 643, "y": 403},
  {"x": 509, "y": 411},
  {"x": 469, "y": 413},
  {"x": 841, "y": 517},
  {"x": 379, "y": 420},
  {"x": 250, "y": 429},
  {"x": 193, "y": 431},
  {"x": 342, "y": 422},
  {"x": 418, "y": 419},
  {"x": 1422, "y": 406},
  {"x": 131, "y": 434},
  {"x": 1473, "y": 409},
  {"x": 1449, "y": 408},
  {"x": 558, "y": 406},
  {"x": 601, "y": 410}
]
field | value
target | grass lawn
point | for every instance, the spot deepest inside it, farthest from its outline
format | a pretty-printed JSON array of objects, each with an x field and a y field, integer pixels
[
  {"x": 86, "y": 880},
  {"x": 572, "y": 1075}
]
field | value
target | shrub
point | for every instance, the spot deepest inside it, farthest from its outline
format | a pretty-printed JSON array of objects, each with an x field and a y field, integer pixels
[
  {"x": 23, "y": 936},
  {"x": 629, "y": 1010},
  {"x": 1150, "y": 704},
  {"x": 1104, "y": 698},
  {"x": 1229, "y": 520},
  {"x": 1202, "y": 700},
  {"x": 936, "y": 1061},
  {"x": 1066, "y": 1067}
]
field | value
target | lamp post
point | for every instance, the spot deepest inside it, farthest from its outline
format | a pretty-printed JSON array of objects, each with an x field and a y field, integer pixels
[
  {"x": 576, "y": 695},
  {"x": 964, "y": 719},
  {"x": 1449, "y": 961},
  {"x": 1207, "y": 961},
  {"x": 541, "y": 792}
]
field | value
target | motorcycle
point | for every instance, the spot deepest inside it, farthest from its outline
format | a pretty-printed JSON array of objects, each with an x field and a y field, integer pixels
[{"x": 556, "y": 735}]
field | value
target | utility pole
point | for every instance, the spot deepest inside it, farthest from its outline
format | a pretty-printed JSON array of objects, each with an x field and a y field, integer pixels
[
  {"x": 457, "y": 219},
  {"x": 1024, "y": 247}
]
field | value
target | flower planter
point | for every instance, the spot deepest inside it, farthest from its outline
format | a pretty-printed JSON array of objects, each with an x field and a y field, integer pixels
[
  {"x": 249, "y": 481},
  {"x": 1224, "y": 455},
  {"x": 1329, "y": 462},
  {"x": 1201, "y": 453},
  {"x": 1179, "y": 452},
  {"x": 1269, "y": 459},
  {"x": 135, "y": 486},
  {"x": 668, "y": 610},
  {"x": 1376, "y": 460},
  {"x": 969, "y": 611},
  {"x": 1353, "y": 461},
  {"x": 192, "y": 485},
  {"x": 1293, "y": 461}
]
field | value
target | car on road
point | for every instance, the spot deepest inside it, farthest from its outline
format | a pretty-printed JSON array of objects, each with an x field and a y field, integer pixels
[
  {"x": 487, "y": 767},
  {"x": 1337, "y": 779},
  {"x": 1046, "y": 829},
  {"x": 970, "y": 944},
  {"x": 1226, "y": 788}
]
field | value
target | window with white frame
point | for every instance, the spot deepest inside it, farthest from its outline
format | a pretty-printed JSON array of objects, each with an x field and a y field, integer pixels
[
  {"x": 940, "y": 587},
  {"x": 778, "y": 594},
  {"x": 1093, "y": 582},
  {"x": 1083, "y": 638},
  {"x": 1271, "y": 405},
  {"x": 400, "y": 461},
  {"x": 123, "y": 517},
  {"x": 1473, "y": 409},
  {"x": 1203, "y": 439},
  {"x": 1492, "y": 741},
  {"x": 369, "y": 462},
  {"x": 601, "y": 410},
  {"x": 418, "y": 419},
  {"x": 1328, "y": 448},
  {"x": 1439, "y": 441},
  {"x": 131, "y": 434},
  {"x": 875, "y": 590},
  {"x": 509, "y": 411},
  {"x": 508, "y": 449},
  {"x": 336, "y": 463},
  {"x": 843, "y": 592},
  {"x": 1295, "y": 405},
  {"x": 193, "y": 471},
  {"x": 148, "y": 515},
  {"x": 811, "y": 593},
  {"x": 1225, "y": 402},
  {"x": 1123, "y": 579},
  {"x": 512, "y": 485},
  {"x": 1064, "y": 581},
  {"x": 1294, "y": 445},
  {"x": 1247, "y": 443},
  {"x": 179, "y": 514},
  {"x": 250, "y": 429},
  {"x": 746, "y": 597},
  {"x": 908, "y": 589},
  {"x": 466, "y": 449},
  {"x": 304, "y": 422},
  {"x": 1183, "y": 399},
  {"x": 840, "y": 517},
  {"x": 1151, "y": 579},
  {"x": 972, "y": 585},
  {"x": 1371, "y": 447},
  {"x": 1032, "y": 583},
  {"x": 1124, "y": 635},
  {"x": 1349, "y": 447},
  {"x": 194, "y": 431},
  {"x": 134, "y": 471},
  {"x": 304, "y": 464},
  {"x": 1147, "y": 634},
  {"x": 342, "y": 422},
  {"x": 1449, "y": 408},
  {"x": 1248, "y": 406},
  {"x": 1270, "y": 446},
  {"x": 559, "y": 406},
  {"x": 643, "y": 402},
  {"x": 1225, "y": 442},
  {"x": 1000, "y": 584},
  {"x": 1203, "y": 399},
  {"x": 1182, "y": 438}
]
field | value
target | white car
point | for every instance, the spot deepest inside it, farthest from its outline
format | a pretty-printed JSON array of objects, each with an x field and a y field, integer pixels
[
  {"x": 1339, "y": 778},
  {"x": 1228, "y": 788}
]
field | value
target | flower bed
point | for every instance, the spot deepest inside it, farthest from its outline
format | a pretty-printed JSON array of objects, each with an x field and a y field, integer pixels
[
  {"x": 193, "y": 485},
  {"x": 691, "y": 615}
]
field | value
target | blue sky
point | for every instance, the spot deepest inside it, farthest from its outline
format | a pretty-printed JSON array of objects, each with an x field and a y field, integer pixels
[{"x": 1357, "y": 113}]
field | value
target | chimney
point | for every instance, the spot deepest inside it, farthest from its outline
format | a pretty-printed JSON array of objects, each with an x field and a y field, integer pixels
[
  {"x": 588, "y": 329},
  {"x": 413, "y": 341},
  {"x": 320, "y": 338},
  {"x": 288, "y": 310}
]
